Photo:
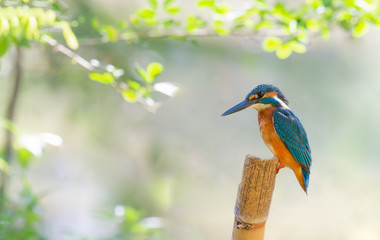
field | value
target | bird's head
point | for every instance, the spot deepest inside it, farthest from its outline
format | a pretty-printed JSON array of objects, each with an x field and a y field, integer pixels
[{"x": 260, "y": 98}]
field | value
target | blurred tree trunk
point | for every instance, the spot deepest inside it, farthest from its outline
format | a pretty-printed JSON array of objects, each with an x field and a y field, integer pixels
[
  {"x": 10, "y": 116},
  {"x": 254, "y": 198}
]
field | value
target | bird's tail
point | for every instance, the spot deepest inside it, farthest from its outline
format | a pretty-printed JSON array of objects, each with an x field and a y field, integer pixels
[{"x": 305, "y": 175}]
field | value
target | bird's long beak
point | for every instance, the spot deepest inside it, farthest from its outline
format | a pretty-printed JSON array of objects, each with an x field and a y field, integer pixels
[{"x": 243, "y": 105}]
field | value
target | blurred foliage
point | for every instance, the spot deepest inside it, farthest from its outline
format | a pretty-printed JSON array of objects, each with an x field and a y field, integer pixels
[
  {"x": 22, "y": 22},
  {"x": 132, "y": 224},
  {"x": 20, "y": 218}
]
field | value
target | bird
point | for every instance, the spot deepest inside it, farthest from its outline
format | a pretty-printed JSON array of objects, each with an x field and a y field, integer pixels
[{"x": 281, "y": 130}]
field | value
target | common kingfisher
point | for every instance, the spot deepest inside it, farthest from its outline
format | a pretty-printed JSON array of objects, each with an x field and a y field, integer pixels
[{"x": 280, "y": 129}]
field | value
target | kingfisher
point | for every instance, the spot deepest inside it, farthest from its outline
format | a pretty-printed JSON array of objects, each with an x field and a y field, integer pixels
[{"x": 280, "y": 129}]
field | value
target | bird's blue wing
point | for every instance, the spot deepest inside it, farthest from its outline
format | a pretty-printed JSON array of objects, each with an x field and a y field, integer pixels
[{"x": 291, "y": 132}]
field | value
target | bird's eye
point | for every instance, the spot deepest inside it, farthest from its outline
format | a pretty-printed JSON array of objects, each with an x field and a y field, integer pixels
[{"x": 260, "y": 94}]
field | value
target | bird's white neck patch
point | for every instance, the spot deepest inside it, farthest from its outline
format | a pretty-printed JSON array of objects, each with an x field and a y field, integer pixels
[{"x": 281, "y": 102}]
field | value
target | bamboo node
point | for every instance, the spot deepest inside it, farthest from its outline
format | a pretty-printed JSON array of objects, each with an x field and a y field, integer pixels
[{"x": 242, "y": 225}]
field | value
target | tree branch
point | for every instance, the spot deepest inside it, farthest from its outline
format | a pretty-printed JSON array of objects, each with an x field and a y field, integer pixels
[
  {"x": 66, "y": 51},
  {"x": 254, "y": 198},
  {"x": 202, "y": 33}
]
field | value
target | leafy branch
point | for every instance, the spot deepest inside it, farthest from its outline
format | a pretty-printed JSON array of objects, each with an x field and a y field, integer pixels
[
  {"x": 284, "y": 30},
  {"x": 281, "y": 29}
]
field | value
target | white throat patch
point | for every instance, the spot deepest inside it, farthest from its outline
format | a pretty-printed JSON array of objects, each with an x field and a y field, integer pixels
[{"x": 260, "y": 106}]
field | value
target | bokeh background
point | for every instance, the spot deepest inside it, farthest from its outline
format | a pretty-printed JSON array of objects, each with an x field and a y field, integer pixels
[{"x": 183, "y": 163}]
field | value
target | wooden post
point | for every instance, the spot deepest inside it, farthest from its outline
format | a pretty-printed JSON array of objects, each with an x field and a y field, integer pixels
[{"x": 254, "y": 198}]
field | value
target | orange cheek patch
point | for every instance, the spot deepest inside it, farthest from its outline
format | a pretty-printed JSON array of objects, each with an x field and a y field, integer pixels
[{"x": 251, "y": 97}]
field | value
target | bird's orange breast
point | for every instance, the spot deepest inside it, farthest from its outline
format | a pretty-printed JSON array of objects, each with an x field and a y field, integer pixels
[
  {"x": 269, "y": 135},
  {"x": 275, "y": 144}
]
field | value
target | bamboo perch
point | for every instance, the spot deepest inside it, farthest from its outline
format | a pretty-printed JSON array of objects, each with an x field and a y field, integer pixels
[{"x": 254, "y": 198}]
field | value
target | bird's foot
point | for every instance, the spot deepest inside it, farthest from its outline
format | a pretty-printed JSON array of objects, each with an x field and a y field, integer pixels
[{"x": 279, "y": 167}]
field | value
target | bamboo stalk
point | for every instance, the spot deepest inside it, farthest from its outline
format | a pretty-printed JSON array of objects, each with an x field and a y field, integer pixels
[{"x": 254, "y": 198}]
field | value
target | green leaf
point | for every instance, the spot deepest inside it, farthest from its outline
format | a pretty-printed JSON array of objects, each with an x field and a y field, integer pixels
[
  {"x": 270, "y": 44},
  {"x": 129, "y": 95},
  {"x": 222, "y": 31},
  {"x": 4, "y": 25},
  {"x": 105, "y": 78},
  {"x": 143, "y": 74},
  {"x": 360, "y": 29},
  {"x": 132, "y": 216},
  {"x": 168, "y": 3},
  {"x": 206, "y": 3},
  {"x": 145, "y": 13},
  {"x": 10, "y": 126},
  {"x": 49, "y": 18},
  {"x": 302, "y": 36},
  {"x": 153, "y": 4},
  {"x": 325, "y": 33},
  {"x": 220, "y": 28},
  {"x": 222, "y": 8},
  {"x": 376, "y": 20},
  {"x": 57, "y": 7},
  {"x": 328, "y": 3},
  {"x": 135, "y": 20},
  {"x": 284, "y": 51},
  {"x": 4, "y": 45},
  {"x": 297, "y": 47},
  {"x": 123, "y": 24},
  {"x": 151, "y": 22},
  {"x": 173, "y": 10},
  {"x": 133, "y": 85},
  {"x": 313, "y": 25},
  {"x": 4, "y": 166},
  {"x": 153, "y": 70},
  {"x": 262, "y": 25},
  {"x": 69, "y": 36},
  {"x": 168, "y": 23},
  {"x": 95, "y": 23},
  {"x": 32, "y": 31},
  {"x": 110, "y": 32},
  {"x": 280, "y": 12},
  {"x": 24, "y": 156},
  {"x": 194, "y": 23},
  {"x": 252, "y": 11}
]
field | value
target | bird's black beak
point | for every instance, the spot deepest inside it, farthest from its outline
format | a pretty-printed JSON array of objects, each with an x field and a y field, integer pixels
[{"x": 243, "y": 105}]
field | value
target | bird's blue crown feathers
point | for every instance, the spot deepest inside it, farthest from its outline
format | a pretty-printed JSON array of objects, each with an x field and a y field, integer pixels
[{"x": 268, "y": 88}]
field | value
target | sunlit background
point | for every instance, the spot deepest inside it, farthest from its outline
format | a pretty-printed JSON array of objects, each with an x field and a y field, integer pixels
[{"x": 183, "y": 163}]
